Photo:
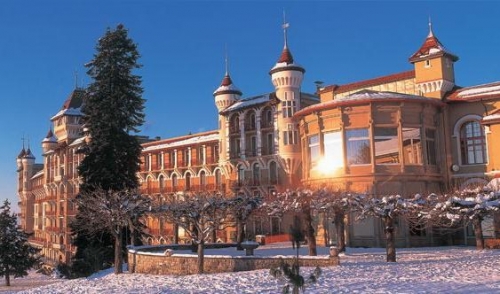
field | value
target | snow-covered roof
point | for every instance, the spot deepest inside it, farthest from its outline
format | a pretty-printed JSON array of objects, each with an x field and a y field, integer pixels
[
  {"x": 38, "y": 174},
  {"x": 227, "y": 86},
  {"x": 365, "y": 96},
  {"x": 181, "y": 142},
  {"x": 77, "y": 141},
  {"x": 477, "y": 92},
  {"x": 240, "y": 104},
  {"x": 70, "y": 111}
]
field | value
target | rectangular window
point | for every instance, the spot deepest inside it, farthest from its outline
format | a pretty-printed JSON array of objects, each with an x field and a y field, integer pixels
[
  {"x": 288, "y": 108},
  {"x": 386, "y": 145},
  {"x": 412, "y": 146},
  {"x": 333, "y": 156},
  {"x": 358, "y": 146},
  {"x": 290, "y": 137},
  {"x": 430, "y": 136},
  {"x": 314, "y": 151}
]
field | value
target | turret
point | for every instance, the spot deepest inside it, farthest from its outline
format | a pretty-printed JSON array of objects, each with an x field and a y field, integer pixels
[
  {"x": 434, "y": 69},
  {"x": 20, "y": 158},
  {"x": 287, "y": 77},
  {"x": 227, "y": 93},
  {"x": 49, "y": 142}
]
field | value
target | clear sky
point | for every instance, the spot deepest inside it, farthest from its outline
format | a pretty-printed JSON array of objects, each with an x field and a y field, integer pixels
[{"x": 182, "y": 43}]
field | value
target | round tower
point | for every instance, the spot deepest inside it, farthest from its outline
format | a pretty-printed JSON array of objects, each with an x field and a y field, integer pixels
[
  {"x": 49, "y": 142},
  {"x": 225, "y": 95},
  {"x": 28, "y": 162},
  {"x": 287, "y": 77},
  {"x": 20, "y": 158}
]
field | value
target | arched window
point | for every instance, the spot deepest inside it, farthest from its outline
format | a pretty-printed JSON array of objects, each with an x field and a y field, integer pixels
[
  {"x": 203, "y": 180},
  {"x": 188, "y": 181},
  {"x": 472, "y": 143},
  {"x": 234, "y": 125},
  {"x": 174, "y": 182},
  {"x": 218, "y": 180},
  {"x": 256, "y": 174},
  {"x": 241, "y": 175},
  {"x": 161, "y": 183}
]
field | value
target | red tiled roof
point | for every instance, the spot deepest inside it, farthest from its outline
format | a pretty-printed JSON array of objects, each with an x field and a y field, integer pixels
[
  {"x": 369, "y": 83},
  {"x": 431, "y": 42},
  {"x": 226, "y": 81},
  {"x": 286, "y": 56}
]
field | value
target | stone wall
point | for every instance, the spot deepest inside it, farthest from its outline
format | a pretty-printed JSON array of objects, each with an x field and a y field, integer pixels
[{"x": 159, "y": 264}]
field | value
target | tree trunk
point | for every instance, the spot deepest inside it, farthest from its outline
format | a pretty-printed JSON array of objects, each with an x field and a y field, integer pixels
[
  {"x": 7, "y": 276},
  {"x": 326, "y": 233},
  {"x": 340, "y": 229},
  {"x": 176, "y": 234},
  {"x": 390, "y": 239},
  {"x": 311, "y": 238},
  {"x": 201, "y": 256},
  {"x": 478, "y": 233},
  {"x": 118, "y": 252},
  {"x": 240, "y": 233},
  {"x": 214, "y": 236}
]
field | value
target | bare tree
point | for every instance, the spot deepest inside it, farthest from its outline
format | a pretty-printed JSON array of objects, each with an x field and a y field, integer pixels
[
  {"x": 199, "y": 214},
  {"x": 113, "y": 212},
  {"x": 386, "y": 208},
  {"x": 241, "y": 207},
  {"x": 462, "y": 208},
  {"x": 300, "y": 200}
]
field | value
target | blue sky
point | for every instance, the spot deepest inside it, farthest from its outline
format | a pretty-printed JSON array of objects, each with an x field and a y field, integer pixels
[{"x": 182, "y": 43}]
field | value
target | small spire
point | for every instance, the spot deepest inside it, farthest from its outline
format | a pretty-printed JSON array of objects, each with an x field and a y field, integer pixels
[
  {"x": 431, "y": 33},
  {"x": 76, "y": 79},
  {"x": 285, "y": 27},
  {"x": 226, "y": 60}
]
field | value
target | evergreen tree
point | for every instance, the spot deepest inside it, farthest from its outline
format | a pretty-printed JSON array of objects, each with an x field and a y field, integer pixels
[
  {"x": 113, "y": 110},
  {"x": 16, "y": 255}
]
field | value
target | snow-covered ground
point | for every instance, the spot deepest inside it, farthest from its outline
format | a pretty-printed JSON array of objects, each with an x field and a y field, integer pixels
[{"x": 362, "y": 270}]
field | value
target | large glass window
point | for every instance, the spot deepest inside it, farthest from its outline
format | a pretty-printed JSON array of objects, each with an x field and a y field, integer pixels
[
  {"x": 386, "y": 145},
  {"x": 472, "y": 143},
  {"x": 358, "y": 146},
  {"x": 333, "y": 156},
  {"x": 412, "y": 146},
  {"x": 314, "y": 151}
]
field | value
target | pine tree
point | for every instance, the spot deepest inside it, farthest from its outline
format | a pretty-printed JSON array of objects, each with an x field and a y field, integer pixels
[
  {"x": 16, "y": 255},
  {"x": 113, "y": 110}
]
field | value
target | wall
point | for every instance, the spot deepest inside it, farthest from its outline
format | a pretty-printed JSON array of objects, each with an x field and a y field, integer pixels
[{"x": 159, "y": 264}]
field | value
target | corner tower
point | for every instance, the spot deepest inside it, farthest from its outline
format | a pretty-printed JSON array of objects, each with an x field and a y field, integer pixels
[
  {"x": 287, "y": 77},
  {"x": 225, "y": 95},
  {"x": 434, "y": 67}
]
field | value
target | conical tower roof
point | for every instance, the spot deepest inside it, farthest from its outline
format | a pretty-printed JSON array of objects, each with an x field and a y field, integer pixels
[{"x": 431, "y": 47}]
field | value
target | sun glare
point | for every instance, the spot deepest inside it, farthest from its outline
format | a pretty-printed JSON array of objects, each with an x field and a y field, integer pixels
[{"x": 329, "y": 164}]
